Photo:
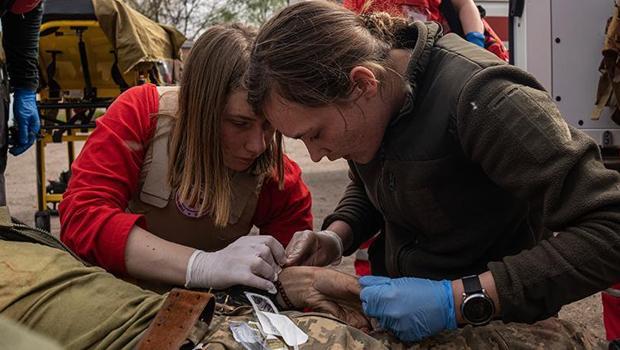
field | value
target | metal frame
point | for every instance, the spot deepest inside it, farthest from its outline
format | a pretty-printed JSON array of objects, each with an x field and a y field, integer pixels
[{"x": 58, "y": 131}]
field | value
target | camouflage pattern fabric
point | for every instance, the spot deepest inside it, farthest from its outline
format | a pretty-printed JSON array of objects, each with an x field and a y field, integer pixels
[
  {"x": 53, "y": 294},
  {"x": 326, "y": 332}
]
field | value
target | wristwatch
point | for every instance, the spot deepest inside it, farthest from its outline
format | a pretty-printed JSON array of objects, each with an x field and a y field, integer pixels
[{"x": 477, "y": 308}]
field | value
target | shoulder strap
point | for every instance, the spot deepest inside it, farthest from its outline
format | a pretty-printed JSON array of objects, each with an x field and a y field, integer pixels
[{"x": 156, "y": 190}]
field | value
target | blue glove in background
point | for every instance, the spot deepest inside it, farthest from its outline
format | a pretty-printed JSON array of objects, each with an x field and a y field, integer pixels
[
  {"x": 26, "y": 117},
  {"x": 475, "y": 38},
  {"x": 411, "y": 308}
]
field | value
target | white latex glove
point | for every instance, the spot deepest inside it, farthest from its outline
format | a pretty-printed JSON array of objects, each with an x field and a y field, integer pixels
[
  {"x": 311, "y": 248},
  {"x": 252, "y": 261}
]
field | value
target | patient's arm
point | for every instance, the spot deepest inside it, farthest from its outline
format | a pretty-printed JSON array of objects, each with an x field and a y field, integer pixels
[{"x": 324, "y": 290}]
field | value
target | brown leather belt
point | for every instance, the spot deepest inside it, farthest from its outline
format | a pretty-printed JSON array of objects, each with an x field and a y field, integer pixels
[{"x": 183, "y": 318}]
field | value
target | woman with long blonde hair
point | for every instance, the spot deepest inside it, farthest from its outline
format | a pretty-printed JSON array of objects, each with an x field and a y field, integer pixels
[{"x": 172, "y": 180}]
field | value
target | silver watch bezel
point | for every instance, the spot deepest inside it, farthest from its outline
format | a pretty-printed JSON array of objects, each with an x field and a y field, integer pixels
[{"x": 468, "y": 298}]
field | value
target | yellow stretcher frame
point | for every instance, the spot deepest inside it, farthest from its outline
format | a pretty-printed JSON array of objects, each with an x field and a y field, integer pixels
[
  {"x": 69, "y": 134},
  {"x": 69, "y": 71},
  {"x": 61, "y": 38},
  {"x": 45, "y": 198},
  {"x": 80, "y": 74}
]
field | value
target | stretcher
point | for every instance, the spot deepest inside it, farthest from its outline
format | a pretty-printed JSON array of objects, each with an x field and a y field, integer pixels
[{"x": 89, "y": 52}]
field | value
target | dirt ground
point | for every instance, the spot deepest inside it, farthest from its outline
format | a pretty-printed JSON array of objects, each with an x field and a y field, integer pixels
[{"x": 326, "y": 181}]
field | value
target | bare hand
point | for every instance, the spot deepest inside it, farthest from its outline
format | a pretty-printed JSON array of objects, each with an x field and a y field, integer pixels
[{"x": 325, "y": 290}]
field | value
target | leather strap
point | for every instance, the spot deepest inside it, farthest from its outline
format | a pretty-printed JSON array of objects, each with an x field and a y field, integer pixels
[
  {"x": 182, "y": 321},
  {"x": 471, "y": 285}
]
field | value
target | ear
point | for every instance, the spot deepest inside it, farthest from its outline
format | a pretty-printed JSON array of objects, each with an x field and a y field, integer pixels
[{"x": 365, "y": 82}]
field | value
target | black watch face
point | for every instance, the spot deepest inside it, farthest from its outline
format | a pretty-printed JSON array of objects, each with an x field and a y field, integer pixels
[{"x": 478, "y": 309}]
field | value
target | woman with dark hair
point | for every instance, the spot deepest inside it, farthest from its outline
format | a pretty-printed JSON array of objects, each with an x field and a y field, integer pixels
[
  {"x": 489, "y": 205},
  {"x": 172, "y": 180}
]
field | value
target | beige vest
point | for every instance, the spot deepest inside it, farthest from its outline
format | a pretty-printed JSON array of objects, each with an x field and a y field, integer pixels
[{"x": 158, "y": 202}]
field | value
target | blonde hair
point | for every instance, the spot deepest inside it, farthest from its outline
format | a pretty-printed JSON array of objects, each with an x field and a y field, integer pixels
[
  {"x": 306, "y": 51},
  {"x": 214, "y": 68}
]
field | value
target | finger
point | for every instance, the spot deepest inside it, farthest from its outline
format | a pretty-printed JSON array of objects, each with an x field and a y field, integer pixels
[
  {"x": 260, "y": 283},
  {"x": 264, "y": 252},
  {"x": 301, "y": 250},
  {"x": 277, "y": 250},
  {"x": 371, "y": 300},
  {"x": 313, "y": 257},
  {"x": 329, "y": 307},
  {"x": 356, "y": 319},
  {"x": 367, "y": 281},
  {"x": 261, "y": 268},
  {"x": 298, "y": 237}
]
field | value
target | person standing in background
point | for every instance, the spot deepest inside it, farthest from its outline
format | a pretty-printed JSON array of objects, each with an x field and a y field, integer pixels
[{"x": 21, "y": 20}]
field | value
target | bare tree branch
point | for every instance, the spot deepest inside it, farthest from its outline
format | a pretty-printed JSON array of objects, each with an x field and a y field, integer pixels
[{"x": 192, "y": 17}]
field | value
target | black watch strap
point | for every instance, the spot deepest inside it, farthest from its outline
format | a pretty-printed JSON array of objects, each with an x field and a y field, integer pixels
[{"x": 471, "y": 284}]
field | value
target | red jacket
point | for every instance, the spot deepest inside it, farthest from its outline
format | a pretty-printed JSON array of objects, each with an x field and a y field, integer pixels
[{"x": 94, "y": 222}]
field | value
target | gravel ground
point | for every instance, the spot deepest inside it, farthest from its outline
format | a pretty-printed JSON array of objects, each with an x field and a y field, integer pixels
[{"x": 325, "y": 179}]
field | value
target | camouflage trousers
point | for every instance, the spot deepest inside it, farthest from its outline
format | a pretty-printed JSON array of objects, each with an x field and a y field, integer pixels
[
  {"x": 50, "y": 292},
  {"x": 326, "y": 332}
]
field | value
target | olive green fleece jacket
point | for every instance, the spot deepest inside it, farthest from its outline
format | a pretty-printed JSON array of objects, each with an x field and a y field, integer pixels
[{"x": 475, "y": 173}]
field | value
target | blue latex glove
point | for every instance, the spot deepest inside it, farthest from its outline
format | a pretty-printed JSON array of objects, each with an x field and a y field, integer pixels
[
  {"x": 476, "y": 38},
  {"x": 26, "y": 117},
  {"x": 411, "y": 308}
]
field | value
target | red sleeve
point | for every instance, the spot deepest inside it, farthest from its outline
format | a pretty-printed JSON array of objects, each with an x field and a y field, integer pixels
[
  {"x": 93, "y": 220},
  {"x": 281, "y": 213}
]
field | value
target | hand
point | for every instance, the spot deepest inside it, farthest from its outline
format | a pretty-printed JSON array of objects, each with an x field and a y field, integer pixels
[
  {"x": 325, "y": 290},
  {"x": 314, "y": 249},
  {"x": 475, "y": 38},
  {"x": 250, "y": 261},
  {"x": 26, "y": 117},
  {"x": 412, "y": 308}
]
